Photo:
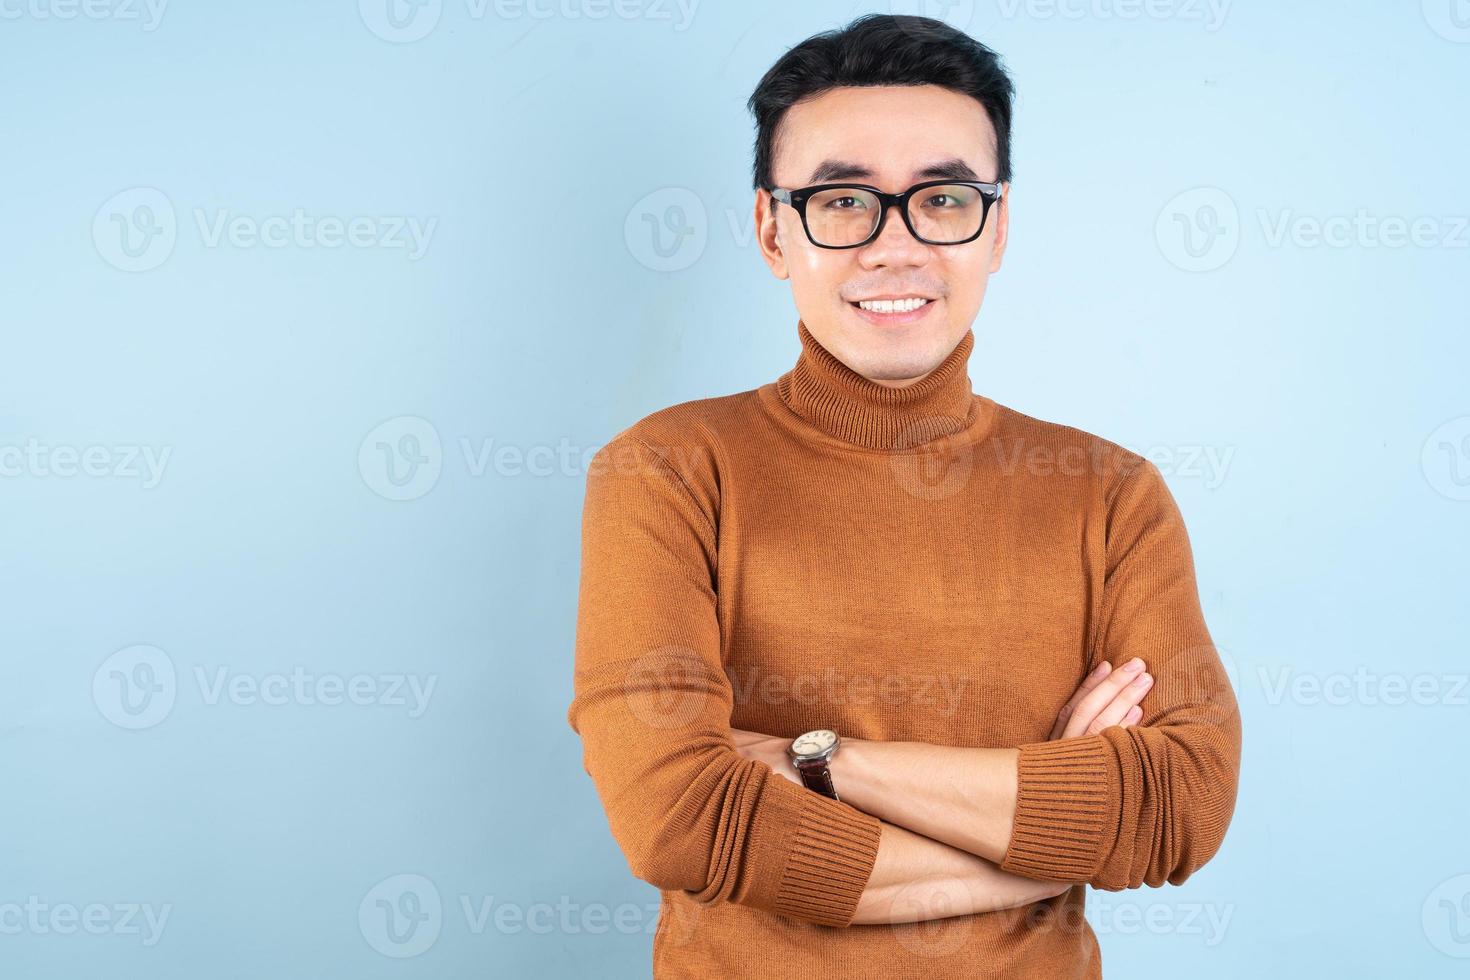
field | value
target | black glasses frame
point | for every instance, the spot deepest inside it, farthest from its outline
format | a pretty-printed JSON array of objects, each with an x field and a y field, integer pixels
[{"x": 991, "y": 193}]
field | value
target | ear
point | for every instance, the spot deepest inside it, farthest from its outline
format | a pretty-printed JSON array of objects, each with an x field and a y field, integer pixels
[
  {"x": 1001, "y": 215},
  {"x": 771, "y": 233}
]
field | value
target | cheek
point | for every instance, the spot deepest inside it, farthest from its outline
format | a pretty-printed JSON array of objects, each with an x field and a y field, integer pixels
[
  {"x": 968, "y": 274},
  {"x": 815, "y": 273}
]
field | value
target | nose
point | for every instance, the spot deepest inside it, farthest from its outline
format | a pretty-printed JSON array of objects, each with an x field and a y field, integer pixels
[{"x": 895, "y": 245}]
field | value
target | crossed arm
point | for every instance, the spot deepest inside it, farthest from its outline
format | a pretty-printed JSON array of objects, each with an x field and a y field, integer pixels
[
  {"x": 948, "y": 813},
  {"x": 924, "y": 831}
]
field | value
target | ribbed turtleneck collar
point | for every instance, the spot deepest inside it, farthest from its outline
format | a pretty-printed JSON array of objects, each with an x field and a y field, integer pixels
[{"x": 839, "y": 401}]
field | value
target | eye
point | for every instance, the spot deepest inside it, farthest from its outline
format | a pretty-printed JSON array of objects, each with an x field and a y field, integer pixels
[
  {"x": 833, "y": 204},
  {"x": 938, "y": 197}
]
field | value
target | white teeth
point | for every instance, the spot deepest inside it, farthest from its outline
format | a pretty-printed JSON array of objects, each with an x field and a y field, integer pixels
[{"x": 892, "y": 305}]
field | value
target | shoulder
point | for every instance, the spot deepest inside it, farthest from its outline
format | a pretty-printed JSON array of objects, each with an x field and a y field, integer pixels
[
  {"x": 683, "y": 443},
  {"x": 692, "y": 430},
  {"x": 696, "y": 422},
  {"x": 1058, "y": 452}
]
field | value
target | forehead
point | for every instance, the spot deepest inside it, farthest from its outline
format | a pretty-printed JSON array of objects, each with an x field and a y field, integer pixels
[{"x": 886, "y": 135}]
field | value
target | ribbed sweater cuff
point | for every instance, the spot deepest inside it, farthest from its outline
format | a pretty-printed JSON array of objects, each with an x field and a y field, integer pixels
[
  {"x": 830, "y": 852},
  {"x": 1062, "y": 806}
]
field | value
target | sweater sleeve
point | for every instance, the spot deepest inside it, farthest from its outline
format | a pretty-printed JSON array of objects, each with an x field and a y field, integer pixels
[
  {"x": 652, "y": 705},
  {"x": 1150, "y": 803}
]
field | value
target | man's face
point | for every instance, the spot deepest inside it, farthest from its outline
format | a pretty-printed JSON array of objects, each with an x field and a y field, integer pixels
[{"x": 884, "y": 136}]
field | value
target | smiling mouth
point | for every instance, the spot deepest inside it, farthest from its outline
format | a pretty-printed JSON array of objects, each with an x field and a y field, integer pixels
[{"x": 892, "y": 306}]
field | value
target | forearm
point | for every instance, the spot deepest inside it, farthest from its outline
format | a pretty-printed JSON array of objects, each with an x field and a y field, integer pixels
[
  {"x": 916, "y": 879},
  {"x": 961, "y": 797}
]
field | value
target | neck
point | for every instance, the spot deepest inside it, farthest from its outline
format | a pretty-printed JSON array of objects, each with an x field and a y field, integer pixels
[{"x": 878, "y": 414}]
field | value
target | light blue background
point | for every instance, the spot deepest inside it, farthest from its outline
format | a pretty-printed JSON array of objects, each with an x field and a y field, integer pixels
[{"x": 1332, "y": 379}]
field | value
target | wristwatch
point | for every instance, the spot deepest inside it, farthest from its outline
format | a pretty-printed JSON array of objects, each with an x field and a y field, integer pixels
[{"x": 810, "y": 754}]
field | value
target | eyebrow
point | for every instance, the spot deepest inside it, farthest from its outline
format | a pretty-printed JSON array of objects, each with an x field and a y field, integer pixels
[{"x": 829, "y": 170}]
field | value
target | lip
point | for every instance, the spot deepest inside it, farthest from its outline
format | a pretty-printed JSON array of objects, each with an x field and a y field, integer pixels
[{"x": 893, "y": 319}]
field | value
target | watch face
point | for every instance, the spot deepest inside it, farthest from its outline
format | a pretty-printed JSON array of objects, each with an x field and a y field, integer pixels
[{"x": 814, "y": 743}]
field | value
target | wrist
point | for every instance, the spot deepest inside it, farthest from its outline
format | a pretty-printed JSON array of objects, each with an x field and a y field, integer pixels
[{"x": 848, "y": 769}]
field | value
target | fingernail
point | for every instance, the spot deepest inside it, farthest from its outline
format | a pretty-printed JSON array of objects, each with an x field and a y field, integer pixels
[
  {"x": 1143, "y": 680},
  {"x": 1101, "y": 669},
  {"x": 1132, "y": 665}
]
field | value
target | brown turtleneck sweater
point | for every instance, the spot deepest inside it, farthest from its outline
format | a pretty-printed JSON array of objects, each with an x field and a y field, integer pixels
[{"x": 902, "y": 564}]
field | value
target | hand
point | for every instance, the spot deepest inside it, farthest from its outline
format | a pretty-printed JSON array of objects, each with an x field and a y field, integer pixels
[
  {"x": 768, "y": 749},
  {"x": 1107, "y": 697}
]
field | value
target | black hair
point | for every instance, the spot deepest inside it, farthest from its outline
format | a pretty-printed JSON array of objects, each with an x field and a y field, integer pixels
[{"x": 883, "y": 49}]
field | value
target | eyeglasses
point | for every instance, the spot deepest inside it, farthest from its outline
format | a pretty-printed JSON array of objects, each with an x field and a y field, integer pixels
[{"x": 937, "y": 212}]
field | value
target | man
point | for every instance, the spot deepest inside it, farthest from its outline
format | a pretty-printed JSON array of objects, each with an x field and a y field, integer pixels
[{"x": 874, "y": 674}]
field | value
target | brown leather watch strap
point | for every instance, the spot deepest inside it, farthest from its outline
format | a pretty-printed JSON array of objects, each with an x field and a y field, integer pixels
[{"x": 817, "y": 777}]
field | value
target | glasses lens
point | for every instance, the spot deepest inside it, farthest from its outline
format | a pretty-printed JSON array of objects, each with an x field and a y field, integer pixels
[
  {"x": 841, "y": 215},
  {"x": 947, "y": 212}
]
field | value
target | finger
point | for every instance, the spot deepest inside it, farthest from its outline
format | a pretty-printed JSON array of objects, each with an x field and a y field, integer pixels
[
  {"x": 1100, "y": 697},
  {"x": 1092, "y": 680},
  {"x": 1131, "y": 718},
  {"x": 1122, "y": 704}
]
